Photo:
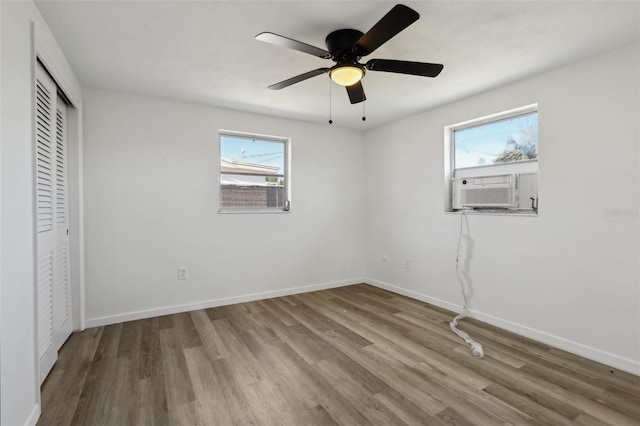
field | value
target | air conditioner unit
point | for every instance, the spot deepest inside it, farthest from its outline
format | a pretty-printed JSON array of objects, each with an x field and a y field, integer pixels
[{"x": 499, "y": 191}]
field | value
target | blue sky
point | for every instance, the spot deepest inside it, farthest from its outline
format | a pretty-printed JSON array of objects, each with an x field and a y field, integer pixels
[
  {"x": 253, "y": 151},
  {"x": 476, "y": 146}
]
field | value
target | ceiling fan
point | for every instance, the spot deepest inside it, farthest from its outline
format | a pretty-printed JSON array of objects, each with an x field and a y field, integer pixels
[{"x": 345, "y": 47}]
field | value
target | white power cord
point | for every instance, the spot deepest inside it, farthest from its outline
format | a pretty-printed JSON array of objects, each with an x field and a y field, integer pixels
[{"x": 476, "y": 348}]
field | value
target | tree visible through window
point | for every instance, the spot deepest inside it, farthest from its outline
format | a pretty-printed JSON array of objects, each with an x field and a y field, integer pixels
[
  {"x": 253, "y": 173},
  {"x": 505, "y": 141}
]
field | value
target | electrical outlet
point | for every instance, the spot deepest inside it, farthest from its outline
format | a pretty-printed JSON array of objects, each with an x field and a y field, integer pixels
[
  {"x": 182, "y": 273},
  {"x": 407, "y": 263}
]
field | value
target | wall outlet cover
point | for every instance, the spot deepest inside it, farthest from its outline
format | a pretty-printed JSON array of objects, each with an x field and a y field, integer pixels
[{"x": 182, "y": 273}]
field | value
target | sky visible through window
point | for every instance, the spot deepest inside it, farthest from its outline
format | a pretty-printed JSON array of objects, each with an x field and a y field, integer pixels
[
  {"x": 253, "y": 151},
  {"x": 480, "y": 145}
]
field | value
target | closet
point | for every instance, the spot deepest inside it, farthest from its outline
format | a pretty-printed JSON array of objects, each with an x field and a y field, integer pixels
[{"x": 52, "y": 220}]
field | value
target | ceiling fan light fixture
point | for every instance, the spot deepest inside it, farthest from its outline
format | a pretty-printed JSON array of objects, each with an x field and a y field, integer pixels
[{"x": 346, "y": 75}]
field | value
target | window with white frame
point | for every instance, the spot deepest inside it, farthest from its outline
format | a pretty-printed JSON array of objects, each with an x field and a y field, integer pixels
[
  {"x": 254, "y": 173},
  {"x": 491, "y": 163}
]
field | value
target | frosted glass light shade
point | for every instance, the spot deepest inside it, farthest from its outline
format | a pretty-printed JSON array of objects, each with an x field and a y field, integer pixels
[{"x": 346, "y": 75}]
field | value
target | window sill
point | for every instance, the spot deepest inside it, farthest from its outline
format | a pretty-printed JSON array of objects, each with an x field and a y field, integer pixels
[
  {"x": 253, "y": 211},
  {"x": 496, "y": 212}
]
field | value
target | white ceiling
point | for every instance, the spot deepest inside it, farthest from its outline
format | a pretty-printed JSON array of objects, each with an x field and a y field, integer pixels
[{"x": 205, "y": 52}]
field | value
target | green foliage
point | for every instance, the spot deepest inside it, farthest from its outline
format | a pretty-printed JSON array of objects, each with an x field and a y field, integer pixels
[
  {"x": 274, "y": 179},
  {"x": 519, "y": 151}
]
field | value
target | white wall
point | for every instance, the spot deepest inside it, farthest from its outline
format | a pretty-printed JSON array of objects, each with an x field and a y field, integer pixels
[
  {"x": 19, "y": 385},
  {"x": 569, "y": 277},
  {"x": 151, "y": 202},
  {"x": 18, "y": 381}
]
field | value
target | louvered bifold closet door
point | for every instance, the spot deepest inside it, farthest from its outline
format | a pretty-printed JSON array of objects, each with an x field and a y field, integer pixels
[
  {"x": 61, "y": 286},
  {"x": 46, "y": 101},
  {"x": 54, "y": 323}
]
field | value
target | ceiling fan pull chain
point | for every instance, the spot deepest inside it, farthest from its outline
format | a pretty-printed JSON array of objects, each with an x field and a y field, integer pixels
[
  {"x": 330, "y": 120},
  {"x": 364, "y": 118}
]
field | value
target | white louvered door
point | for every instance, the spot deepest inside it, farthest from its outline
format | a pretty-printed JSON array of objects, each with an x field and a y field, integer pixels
[
  {"x": 53, "y": 296},
  {"x": 45, "y": 186},
  {"x": 62, "y": 326}
]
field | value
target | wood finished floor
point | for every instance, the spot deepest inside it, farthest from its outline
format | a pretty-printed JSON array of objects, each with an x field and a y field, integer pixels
[{"x": 355, "y": 355}]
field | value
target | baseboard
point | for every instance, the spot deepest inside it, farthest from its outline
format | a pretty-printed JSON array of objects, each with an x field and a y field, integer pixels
[
  {"x": 175, "y": 309},
  {"x": 621, "y": 363},
  {"x": 32, "y": 420}
]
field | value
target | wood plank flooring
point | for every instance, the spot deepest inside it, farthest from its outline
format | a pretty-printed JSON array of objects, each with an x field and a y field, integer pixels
[{"x": 355, "y": 355}]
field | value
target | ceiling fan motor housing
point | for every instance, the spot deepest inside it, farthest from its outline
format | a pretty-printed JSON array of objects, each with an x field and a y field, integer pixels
[{"x": 341, "y": 45}]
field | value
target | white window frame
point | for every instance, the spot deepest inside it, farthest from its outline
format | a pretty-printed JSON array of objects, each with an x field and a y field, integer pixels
[
  {"x": 451, "y": 173},
  {"x": 286, "y": 174}
]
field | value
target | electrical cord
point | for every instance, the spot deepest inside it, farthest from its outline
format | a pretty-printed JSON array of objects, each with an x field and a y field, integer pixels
[{"x": 476, "y": 348}]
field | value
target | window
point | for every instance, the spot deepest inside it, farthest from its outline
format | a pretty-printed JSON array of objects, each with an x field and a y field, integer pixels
[
  {"x": 491, "y": 163},
  {"x": 254, "y": 173}
]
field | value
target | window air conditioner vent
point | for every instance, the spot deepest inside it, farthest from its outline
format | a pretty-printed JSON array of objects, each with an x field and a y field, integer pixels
[{"x": 499, "y": 191}]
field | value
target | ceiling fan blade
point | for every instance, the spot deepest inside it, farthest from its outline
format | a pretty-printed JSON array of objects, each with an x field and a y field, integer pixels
[
  {"x": 289, "y": 43},
  {"x": 396, "y": 20},
  {"x": 405, "y": 67},
  {"x": 298, "y": 79},
  {"x": 356, "y": 93}
]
